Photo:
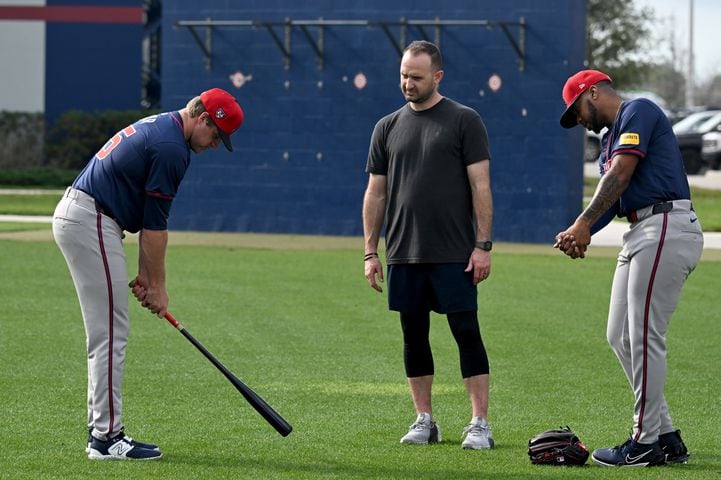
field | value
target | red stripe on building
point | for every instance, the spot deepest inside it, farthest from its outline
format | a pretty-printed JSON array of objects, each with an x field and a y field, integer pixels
[{"x": 74, "y": 14}]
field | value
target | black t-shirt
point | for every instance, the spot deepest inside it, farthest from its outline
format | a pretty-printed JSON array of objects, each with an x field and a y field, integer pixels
[{"x": 429, "y": 212}]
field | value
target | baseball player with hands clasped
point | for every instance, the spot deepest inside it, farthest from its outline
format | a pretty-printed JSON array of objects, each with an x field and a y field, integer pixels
[
  {"x": 428, "y": 165},
  {"x": 129, "y": 185},
  {"x": 643, "y": 180}
]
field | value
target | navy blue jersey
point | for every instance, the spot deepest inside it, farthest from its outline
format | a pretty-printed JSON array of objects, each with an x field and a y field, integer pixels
[
  {"x": 643, "y": 130},
  {"x": 136, "y": 174}
]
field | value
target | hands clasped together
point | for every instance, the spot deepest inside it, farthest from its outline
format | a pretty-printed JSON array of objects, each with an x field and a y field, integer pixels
[{"x": 574, "y": 240}]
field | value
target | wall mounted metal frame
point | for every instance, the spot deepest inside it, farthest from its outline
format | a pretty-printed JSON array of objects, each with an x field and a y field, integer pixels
[{"x": 317, "y": 43}]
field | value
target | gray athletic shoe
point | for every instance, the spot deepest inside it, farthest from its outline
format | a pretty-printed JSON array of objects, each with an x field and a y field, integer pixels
[
  {"x": 424, "y": 430},
  {"x": 478, "y": 434}
]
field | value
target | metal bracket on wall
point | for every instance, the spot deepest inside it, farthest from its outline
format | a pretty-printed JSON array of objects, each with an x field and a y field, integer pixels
[
  {"x": 206, "y": 44},
  {"x": 519, "y": 45},
  {"x": 317, "y": 44}
]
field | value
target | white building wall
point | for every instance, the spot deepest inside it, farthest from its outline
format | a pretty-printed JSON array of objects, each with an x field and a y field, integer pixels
[{"x": 22, "y": 61}]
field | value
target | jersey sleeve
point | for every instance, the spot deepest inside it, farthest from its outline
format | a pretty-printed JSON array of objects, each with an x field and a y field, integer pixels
[
  {"x": 474, "y": 139},
  {"x": 637, "y": 122},
  {"x": 377, "y": 156},
  {"x": 167, "y": 168}
]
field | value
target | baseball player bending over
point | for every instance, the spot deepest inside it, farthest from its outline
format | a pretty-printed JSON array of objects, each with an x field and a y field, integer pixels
[
  {"x": 643, "y": 179},
  {"x": 129, "y": 185}
]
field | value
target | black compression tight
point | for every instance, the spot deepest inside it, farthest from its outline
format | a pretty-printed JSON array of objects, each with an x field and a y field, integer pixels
[{"x": 417, "y": 355}]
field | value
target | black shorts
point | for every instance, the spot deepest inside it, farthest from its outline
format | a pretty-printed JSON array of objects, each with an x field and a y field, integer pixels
[{"x": 422, "y": 287}]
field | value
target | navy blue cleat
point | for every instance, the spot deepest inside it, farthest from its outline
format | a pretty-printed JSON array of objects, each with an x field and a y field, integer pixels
[
  {"x": 673, "y": 447},
  {"x": 121, "y": 447},
  {"x": 630, "y": 454},
  {"x": 149, "y": 446}
]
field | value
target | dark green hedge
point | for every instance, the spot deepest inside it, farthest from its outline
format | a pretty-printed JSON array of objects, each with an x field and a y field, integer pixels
[
  {"x": 21, "y": 139},
  {"x": 38, "y": 177},
  {"x": 76, "y": 136},
  {"x": 35, "y": 154}
]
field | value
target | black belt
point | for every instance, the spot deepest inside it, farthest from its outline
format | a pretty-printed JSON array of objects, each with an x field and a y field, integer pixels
[{"x": 664, "y": 207}]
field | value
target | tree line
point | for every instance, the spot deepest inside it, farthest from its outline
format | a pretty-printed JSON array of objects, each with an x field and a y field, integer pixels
[{"x": 633, "y": 45}]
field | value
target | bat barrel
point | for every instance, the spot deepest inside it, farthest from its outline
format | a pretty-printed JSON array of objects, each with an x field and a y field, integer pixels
[
  {"x": 260, "y": 405},
  {"x": 256, "y": 401}
]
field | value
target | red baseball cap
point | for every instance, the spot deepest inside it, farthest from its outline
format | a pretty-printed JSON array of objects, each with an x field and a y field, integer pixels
[
  {"x": 224, "y": 111},
  {"x": 574, "y": 87}
]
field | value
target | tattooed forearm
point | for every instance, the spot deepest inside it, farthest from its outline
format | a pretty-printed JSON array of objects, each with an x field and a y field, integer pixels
[{"x": 608, "y": 192}]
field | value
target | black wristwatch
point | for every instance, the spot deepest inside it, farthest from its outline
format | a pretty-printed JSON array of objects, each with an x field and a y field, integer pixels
[{"x": 487, "y": 245}]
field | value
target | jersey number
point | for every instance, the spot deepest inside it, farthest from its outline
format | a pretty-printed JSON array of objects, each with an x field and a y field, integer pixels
[{"x": 114, "y": 142}]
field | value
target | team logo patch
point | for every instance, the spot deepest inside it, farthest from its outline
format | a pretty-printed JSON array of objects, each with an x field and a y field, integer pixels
[
  {"x": 629, "y": 139},
  {"x": 220, "y": 113}
]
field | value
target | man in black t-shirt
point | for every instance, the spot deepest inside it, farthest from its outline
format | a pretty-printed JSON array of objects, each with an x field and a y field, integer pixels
[{"x": 430, "y": 184}]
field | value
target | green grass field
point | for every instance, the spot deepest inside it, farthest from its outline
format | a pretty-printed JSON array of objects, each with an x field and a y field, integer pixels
[
  {"x": 20, "y": 204},
  {"x": 306, "y": 332},
  {"x": 22, "y": 226}
]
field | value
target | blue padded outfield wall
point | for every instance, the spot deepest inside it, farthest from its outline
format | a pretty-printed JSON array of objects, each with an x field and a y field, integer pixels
[{"x": 299, "y": 162}]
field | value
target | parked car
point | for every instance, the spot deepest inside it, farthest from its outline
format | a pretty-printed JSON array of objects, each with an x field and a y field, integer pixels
[
  {"x": 711, "y": 147},
  {"x": 678, "y": 115},
  {"x": 592, "y": 145},
  {"x": 692, "y": 122},
  {"x": 689, "y": 132}
]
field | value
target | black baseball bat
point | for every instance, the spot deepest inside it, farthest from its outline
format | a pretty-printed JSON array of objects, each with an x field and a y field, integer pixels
[{"x": 270, "y": 415}]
